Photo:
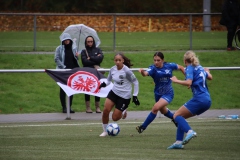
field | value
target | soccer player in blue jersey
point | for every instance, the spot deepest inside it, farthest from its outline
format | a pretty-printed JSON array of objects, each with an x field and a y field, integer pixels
[
  {"x": 161, "y": 72},
  {"x": 196, "y": 77},
  {"x": 121, "y": 93}
]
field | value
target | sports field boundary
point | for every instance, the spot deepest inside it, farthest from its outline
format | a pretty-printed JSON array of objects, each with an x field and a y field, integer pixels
[{"x": 82, "y": 116}]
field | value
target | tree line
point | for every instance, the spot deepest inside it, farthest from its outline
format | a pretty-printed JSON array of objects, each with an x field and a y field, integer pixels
[{"x": 108, "y": 6}]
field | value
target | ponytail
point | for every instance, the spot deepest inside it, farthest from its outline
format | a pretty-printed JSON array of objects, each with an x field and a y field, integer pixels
[{"x": 191, "y": 58}]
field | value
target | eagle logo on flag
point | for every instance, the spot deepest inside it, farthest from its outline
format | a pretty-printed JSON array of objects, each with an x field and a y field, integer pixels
[{"x": 84, "y": 81}]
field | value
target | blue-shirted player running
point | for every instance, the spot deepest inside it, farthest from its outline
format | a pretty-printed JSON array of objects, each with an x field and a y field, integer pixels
[
  {"x": 161, "y": 72},
  {"x": 196, "y": 77}
]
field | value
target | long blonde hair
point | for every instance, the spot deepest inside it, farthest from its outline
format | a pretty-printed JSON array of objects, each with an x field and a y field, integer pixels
[{"x": 191, "y": 58}]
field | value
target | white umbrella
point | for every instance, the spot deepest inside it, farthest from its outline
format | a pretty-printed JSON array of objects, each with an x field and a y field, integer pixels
[{"x": 79, "y": 32}]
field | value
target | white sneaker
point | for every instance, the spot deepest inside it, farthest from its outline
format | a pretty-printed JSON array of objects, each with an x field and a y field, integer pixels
[{"x": 103, "y": 134}]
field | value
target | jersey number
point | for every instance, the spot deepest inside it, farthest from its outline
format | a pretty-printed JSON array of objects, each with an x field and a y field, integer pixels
[{"x": 203, "y": 77}]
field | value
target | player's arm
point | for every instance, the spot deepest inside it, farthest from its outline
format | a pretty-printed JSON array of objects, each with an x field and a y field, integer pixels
[
  {"x": 209, "y": 75},
  {"x": 143, "y": 72},
  {"x": 187, "y": 82},
  {"x": 132, "y": 78},
  {"x": 109, "y": 80},
  {"x": 136, "y": 87},
  {"x": 182, "y": 69}
]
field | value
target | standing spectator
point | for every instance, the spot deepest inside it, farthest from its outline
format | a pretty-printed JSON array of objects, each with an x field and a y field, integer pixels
[
  {"x": 231, "y": 19},
  {"x": 66, "y": 57},
  {"x": 120, "y": 95},
  {"x": 196, "y": 78},
  {"x": 92, "y": 57},
  {"x": 161, "y": 72}
]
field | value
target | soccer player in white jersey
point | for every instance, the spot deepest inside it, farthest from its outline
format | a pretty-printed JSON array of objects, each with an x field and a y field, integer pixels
[
  {"x": 120, "y": 95},
  {"x": 161, "y": 72},
  {"x": 196, "y": 78}
]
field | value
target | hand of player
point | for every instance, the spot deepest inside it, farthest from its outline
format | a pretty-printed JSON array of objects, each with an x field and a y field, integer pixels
[
  {"x": 136, "y": 101},
  {"x": 140, "y": 70},
  {"x": 103, "y": 84},
  {"x": 174, "y": 78},
  {"x": 207, "y": 70}
]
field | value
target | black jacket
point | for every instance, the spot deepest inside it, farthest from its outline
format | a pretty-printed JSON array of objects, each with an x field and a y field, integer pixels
[
  {"x": 95, "y": 54},
  {"x": 230, "y": 13}
]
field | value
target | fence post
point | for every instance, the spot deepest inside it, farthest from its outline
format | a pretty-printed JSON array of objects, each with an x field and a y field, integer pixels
[
  {"x": 114, "y": 32},
  {"x": 34, "y": 31},
  {"x": 190, "y": 31},
  {"x": 207, "y": 18}
]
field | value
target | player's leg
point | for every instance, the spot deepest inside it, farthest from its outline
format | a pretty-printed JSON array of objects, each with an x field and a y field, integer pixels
[
  {"x": 164, "y": 110},
  {"x": 120, "y": 110},
  {"x": 124, "y": 114},
  {"x": 180, "y": 117},
  {"x": 167, "y": 113},
  {"x": 117, "y": 114},
  {"x": 152, "y": 115},
  {"x": 108, "y": 105},
  {"x": 189, "y": 109},
  {"x": 179, "y": 138},
  {"x": 105, "y": 116}
]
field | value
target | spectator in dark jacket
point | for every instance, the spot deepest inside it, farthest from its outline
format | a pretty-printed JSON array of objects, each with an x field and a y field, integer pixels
[
  {"x": 231, "y": 19},
  {"x": 66, "y": 57},
  {"x": 92, "y": 57}
]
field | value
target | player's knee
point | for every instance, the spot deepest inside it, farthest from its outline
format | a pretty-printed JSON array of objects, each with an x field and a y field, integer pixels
[
  {"x": 155, "y": 109},
  {"x": 116, "y": 117},
  {"x": 106, "y": 112}
]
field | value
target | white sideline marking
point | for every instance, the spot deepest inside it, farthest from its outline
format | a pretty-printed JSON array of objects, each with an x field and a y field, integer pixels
[{"x": 84, "y": 124}]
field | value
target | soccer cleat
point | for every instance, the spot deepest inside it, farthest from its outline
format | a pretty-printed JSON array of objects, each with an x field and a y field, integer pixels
[
  {"x": 140, "y": 129},
  {"x": 174, "y": 122},
  {"x": 176, "y": 146},
  {"x": 104, "y": 134},
  {"x": 189, "y": 137}
]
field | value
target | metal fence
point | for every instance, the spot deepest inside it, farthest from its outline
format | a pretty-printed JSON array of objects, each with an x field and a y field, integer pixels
[{"x": 111, "y": 22}]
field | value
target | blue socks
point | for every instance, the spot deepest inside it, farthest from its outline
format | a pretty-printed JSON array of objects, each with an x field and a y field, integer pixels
[
  {"x": 182, "y": 124},
  {"x": 180, "y": 134},
  {"x": 152, "y": 116},
  {"x": 169, "y": 114},
  {"x": 149, "y": 120}
]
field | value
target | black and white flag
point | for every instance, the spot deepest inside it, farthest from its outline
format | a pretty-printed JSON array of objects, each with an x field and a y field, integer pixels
[{"x": 80, "y": 80}]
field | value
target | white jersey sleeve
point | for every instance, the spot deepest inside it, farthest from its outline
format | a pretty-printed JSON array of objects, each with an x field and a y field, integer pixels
[{"x": 132, "y": 78}]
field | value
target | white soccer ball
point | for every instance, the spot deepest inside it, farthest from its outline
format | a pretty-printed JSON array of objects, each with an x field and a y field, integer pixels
[{"x": 113, "y": 129}]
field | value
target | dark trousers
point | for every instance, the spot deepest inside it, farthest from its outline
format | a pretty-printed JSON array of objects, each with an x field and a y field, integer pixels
[
  {"x": 230, "y": 35},
  {"x": 63, "y": 98},
  {"x": 87, "y": 98}
]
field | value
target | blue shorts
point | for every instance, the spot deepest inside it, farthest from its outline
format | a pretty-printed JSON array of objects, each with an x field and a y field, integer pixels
[
  {"x": 198, "y": 105},
  {"x": 167, "y": 97}
]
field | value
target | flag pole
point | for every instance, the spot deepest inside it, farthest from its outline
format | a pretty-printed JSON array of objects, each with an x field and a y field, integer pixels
[{"x": 68, "y": 108}]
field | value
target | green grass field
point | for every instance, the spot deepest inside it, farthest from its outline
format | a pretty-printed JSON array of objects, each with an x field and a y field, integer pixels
[
  {"x": 216, "y": 139},
  {"x": 131, "y": 41}
]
